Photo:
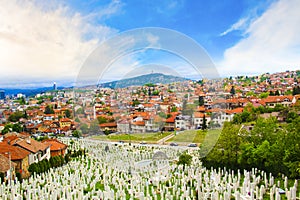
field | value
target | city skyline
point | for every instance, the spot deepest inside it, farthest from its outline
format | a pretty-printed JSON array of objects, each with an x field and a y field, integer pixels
[{"x": 43, "y": 42}]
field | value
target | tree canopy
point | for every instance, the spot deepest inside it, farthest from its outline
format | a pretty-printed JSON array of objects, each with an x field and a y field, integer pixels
[{"x": 269, "y": 146}]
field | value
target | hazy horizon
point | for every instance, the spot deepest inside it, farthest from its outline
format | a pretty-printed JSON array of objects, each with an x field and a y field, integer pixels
[{"x": 49, "y": 41}]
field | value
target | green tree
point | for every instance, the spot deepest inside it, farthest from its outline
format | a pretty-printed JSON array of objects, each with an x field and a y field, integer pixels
[
  {"x": 174, "y": 109},
  {"x": 84, "y": 128},
  {"x": 250, "y": 94},
  {"x": 185, "y": 159},
  {"x": 77, "y": 133},
  {"x": 263, "y": 95},
  {"x": 264, "y": 129},
  {"x": 291, "y": 116},
  {"x": 77, "y": 120},
  {"x": 232, "y": 91},
  {"x": 33, "y": 168},
  {"x": 292, "y": 151},
  {"x": 2, "y": 177},
  {"x": 201, "y": 100},
  {"x": 204, "y": 125},
  {"x": 102, "y": 119},
  {"x": 94, "y": 127},
  {"x": 162, "y": 115},
  {"x": 296, "y": 90},
  {"x": 49, "y": 110},
  {"x": 226, "y": 150},
  {"x": 155, "y": 93},
  {"x": 16, "y": 116},
  {"x": 22, "y": 100},
  {"x": 12, "y": 127},
  {"x": 136, "y": 102},
  {"x": 17, "y": 127},
  {"x": 106, "y": 132},
  {"x": 68, "y": 113}
]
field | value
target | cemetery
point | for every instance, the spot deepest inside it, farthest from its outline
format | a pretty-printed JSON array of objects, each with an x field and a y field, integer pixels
[{"x": 121, "y": 171}]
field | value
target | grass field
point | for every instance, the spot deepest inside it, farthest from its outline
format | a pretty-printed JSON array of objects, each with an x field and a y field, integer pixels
[
  {"x": 135, "y": 137},
  {"x": 196, "y": 136}
]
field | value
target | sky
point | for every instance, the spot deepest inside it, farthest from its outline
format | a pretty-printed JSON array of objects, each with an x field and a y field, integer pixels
[{"x": 48, "y": 41}]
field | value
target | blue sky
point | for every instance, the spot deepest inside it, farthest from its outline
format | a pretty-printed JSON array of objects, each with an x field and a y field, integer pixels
[
  {"x": 46, "y": 41},
  {"x": 203, "y": 21}
]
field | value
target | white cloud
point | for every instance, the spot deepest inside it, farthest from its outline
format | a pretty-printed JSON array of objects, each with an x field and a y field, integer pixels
[
  {"x": 46, "y": 44},
  {"x": 241, "y": 24},
  {"x": 272, "y": 44}
]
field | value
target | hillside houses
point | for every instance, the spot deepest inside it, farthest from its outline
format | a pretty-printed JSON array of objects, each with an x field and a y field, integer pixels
[
  {"x": 24, "y": 151},
  {"x": 151, "y": 107}
]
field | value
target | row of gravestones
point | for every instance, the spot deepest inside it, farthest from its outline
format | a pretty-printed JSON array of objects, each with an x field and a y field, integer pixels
[{"x": 120, "y": 171}]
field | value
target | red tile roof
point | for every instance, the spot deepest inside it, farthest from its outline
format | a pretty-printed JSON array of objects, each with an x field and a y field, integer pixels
[
  {"x": 65, "y": 120},
  {"x": 17, "y": 153},
  {"x": 31, "y": 145},
  {"x": 171, "y": 119},
  {"x": 274, "y": 99},
  {"x": 54, "y": 144},
  {"x": 198, "y": 115},
  {"x": 139, "y": 123},
  {"x": 238, "y": 110},
  {"x": 108, "y": 124}
]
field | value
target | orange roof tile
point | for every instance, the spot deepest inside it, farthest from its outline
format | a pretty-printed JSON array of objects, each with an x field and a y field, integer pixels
[
  {"x": 238, "y": 110},
  {"x": 54, "y": 144},
  {"x": 65, "y": 120},
  {"x": 17, "y": 153},
  {"x": 139, "y": 123},
  {"x": 171, "y": 119},
  {"x": 198, "y": 115},
  {"x": 31, "y": 145},
  {"x": 274, "y": 99},
  {"x": 108, "y": 124}
]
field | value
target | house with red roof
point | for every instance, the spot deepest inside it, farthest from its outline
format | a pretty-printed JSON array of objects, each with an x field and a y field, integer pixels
[
  {"x": 138, "y": 126},
  {"x": 123, "y": 126},
  {"x": 18, "y": 155},
  {"x": 38, "y": 151},
  {"x": 110, "y": 126},
  {"x": 170, "y": 122},
  {"x": 272, "y": 101},
  {"x": 57, "y": 148},
  {"x": 198, "y": 118}
]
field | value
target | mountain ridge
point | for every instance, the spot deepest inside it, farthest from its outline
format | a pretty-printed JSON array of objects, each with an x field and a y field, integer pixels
[{"x": 154, "y": 78}]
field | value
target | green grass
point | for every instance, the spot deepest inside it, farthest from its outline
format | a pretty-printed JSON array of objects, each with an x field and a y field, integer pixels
[
  {"x": 195, "y": 136},
  {"x": 99, "y": 186},
  {"x": 135, "y": 137}
]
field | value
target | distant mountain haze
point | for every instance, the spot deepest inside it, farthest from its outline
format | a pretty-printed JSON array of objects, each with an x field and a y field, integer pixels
[
  {"x": 135, "y": 81},
  {"x": 143, "y": 79}
]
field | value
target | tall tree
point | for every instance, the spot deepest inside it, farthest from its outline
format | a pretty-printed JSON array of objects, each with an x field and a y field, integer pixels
[
  {"x": 201, "y": 100},
  {"x": 204, "y": 125},
  {"x": 49, "y": 110},
  {"x": 68, "y": 113},
  {"x": 232, "y": 91}
]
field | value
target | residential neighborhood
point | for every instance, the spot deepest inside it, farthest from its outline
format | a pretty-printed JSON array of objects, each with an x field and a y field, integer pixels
[
  {"x": 148, "y": 108},
  {"x": 29, "y": 125}
]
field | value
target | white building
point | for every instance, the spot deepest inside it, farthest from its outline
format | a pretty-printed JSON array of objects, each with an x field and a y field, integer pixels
[
  {"x": 183, "y": 122},
  {"x": 38, "y": 151},
  {"x": 198, "y": 120}
]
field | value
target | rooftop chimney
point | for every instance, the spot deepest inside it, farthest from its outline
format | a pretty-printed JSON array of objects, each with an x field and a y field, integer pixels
[{"x": 28, "y": 141}]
